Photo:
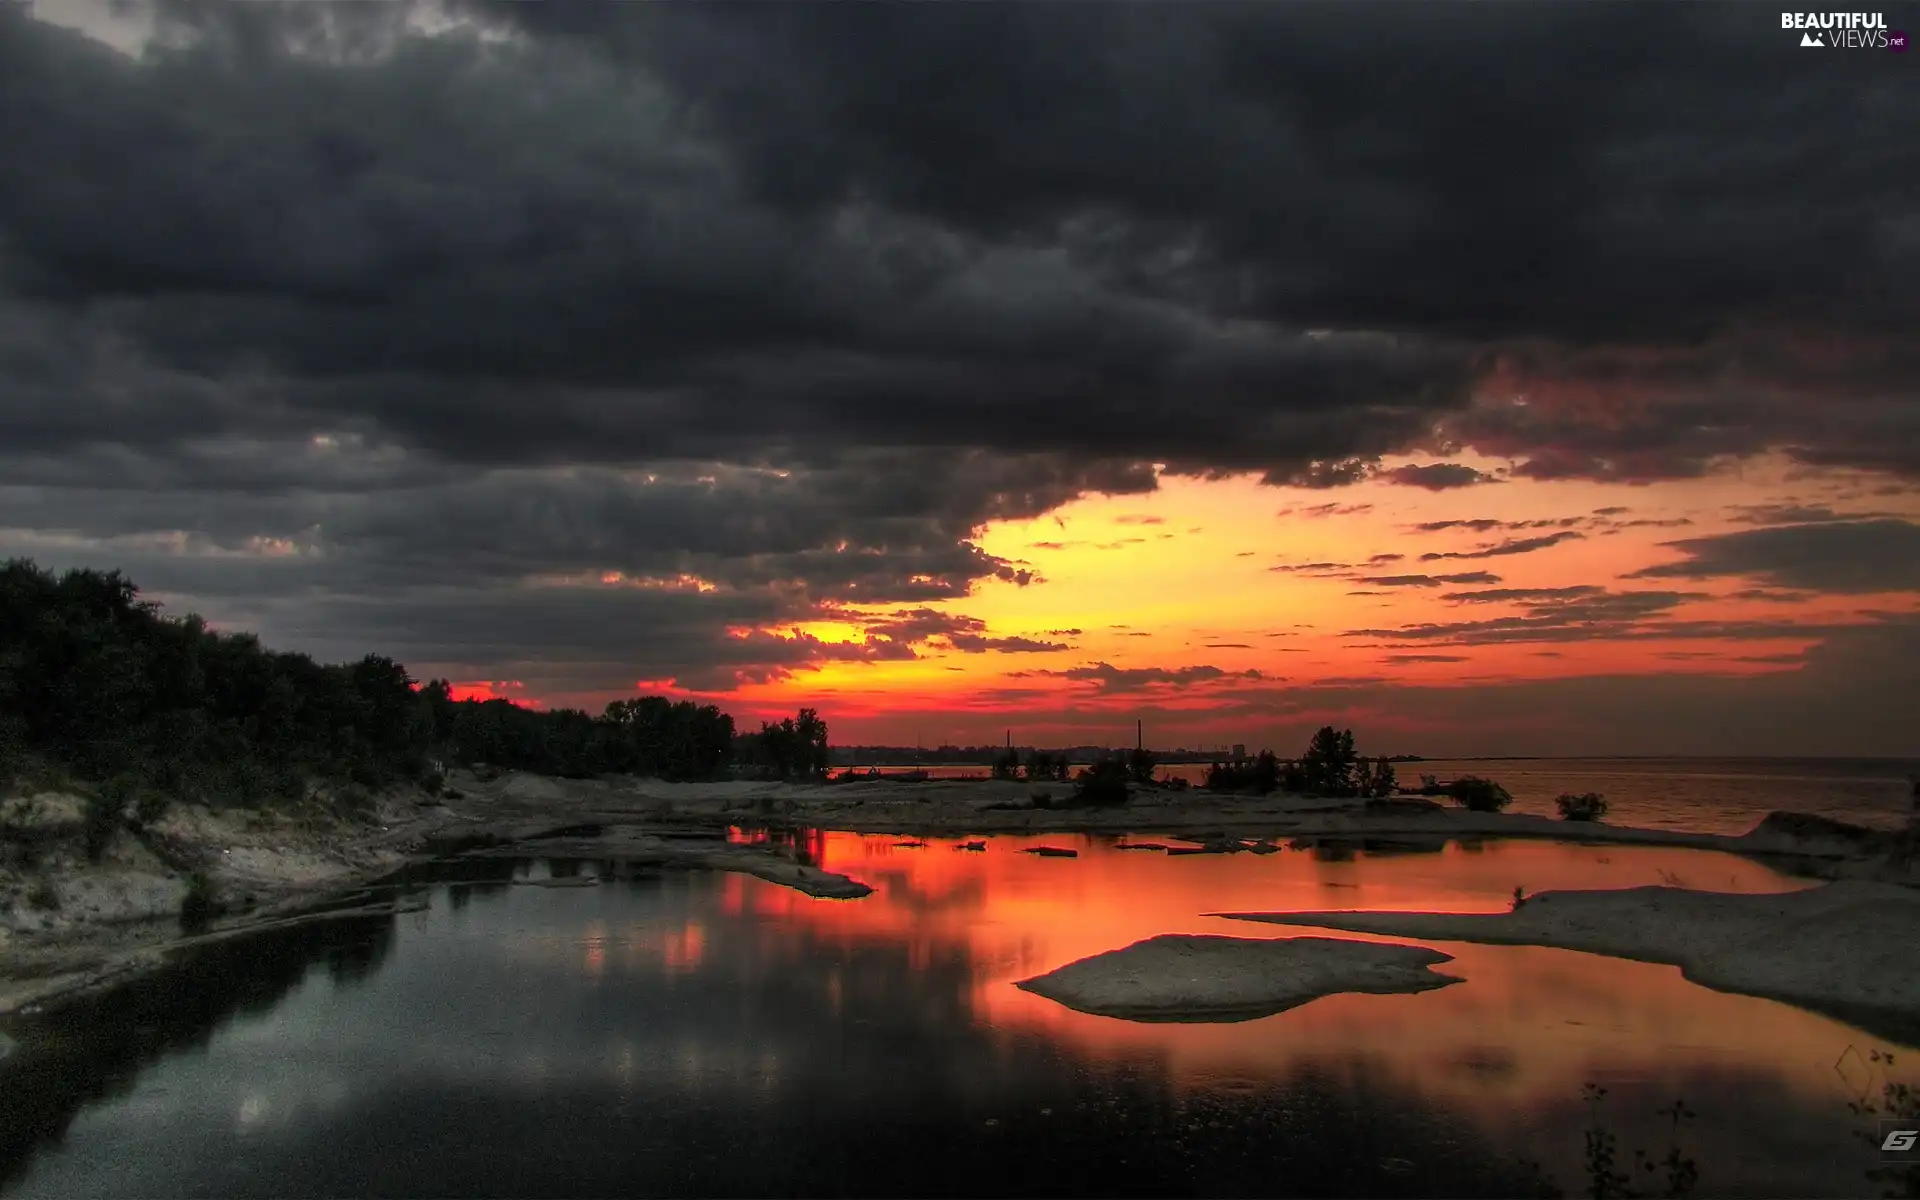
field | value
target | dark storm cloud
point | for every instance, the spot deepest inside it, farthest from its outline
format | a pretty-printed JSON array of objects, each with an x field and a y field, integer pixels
[
  {"x": 320, "y": 316},
  {"x": 1835, "y": 556}
]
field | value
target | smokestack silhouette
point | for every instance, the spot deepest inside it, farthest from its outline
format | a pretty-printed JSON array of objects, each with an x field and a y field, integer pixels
[{"x": 1139, "y": 735}]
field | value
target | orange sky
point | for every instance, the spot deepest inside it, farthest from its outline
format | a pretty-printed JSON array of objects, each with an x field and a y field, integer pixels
[{"x": 1194, "y": 575}]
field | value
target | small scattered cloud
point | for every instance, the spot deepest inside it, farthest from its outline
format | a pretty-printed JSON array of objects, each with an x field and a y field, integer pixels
[
  {"x": 1321, "y": 511},
  {"x": 1795, "y": 514},
  {"x": 1512, "y": 595},
  {"x": 1428, "y": 580},
  {"x": 1109, "y": 678},
  {"x": 1508, "y": 547},
  {"x": 1437, "y": 477}
]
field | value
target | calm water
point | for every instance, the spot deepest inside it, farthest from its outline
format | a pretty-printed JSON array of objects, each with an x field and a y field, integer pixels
[
  {"x": 711, "y": 1034},
  {"x": 1706, "y": 795}
]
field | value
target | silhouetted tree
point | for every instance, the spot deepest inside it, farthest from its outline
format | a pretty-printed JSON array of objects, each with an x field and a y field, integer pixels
[
  {"x": 1140, "y": 764},
  {"x": 1006, "y": 765},
  {"x": 1266, "y": 772},
  {"x": 95, "y": 680},
  {"x": 1384, "y": 780},
  {"x": 1328, "y": 764}
]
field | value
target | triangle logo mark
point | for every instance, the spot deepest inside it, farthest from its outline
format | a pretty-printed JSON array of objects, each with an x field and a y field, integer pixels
[{"x": 1808, "y": 39}]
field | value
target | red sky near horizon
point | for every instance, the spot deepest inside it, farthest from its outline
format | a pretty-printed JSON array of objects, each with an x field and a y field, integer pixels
[{"x": 1228, "y": 611}]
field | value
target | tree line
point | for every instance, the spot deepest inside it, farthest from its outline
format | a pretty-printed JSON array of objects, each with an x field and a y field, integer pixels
[
  {"x": 1330, "y": 766},
  {"x": 97, "y": 682}
]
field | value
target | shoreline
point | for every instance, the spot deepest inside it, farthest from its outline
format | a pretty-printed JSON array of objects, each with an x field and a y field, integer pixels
[
  {"x": 119, "y": 919},
  {"x": 1834, "y": 950}
]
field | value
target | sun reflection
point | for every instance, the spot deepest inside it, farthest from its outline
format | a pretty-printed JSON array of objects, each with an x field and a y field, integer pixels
[
  {"x": 683, "y": 948},
  {"x": 594, "y": 962}
]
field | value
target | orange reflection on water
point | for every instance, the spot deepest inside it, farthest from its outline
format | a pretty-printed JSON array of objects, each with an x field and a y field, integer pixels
[
  {"x": 594, "y": 962},
  {"x": 683, "y": 948},
  {"x": 1529, "y": 1023}
]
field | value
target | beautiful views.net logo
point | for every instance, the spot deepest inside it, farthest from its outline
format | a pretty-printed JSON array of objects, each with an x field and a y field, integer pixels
[{"x": 1850, "y": 31}]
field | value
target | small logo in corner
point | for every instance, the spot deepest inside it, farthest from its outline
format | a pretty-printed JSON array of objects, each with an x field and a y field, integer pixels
[{"x": 1899, "y": 1140}]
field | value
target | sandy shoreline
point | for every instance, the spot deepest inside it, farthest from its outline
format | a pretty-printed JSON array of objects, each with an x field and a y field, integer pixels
[
  {"x": 121, "y": 916},
  {"x": 1845, "y": 949},
  {"x": 1199, "y": 977}
]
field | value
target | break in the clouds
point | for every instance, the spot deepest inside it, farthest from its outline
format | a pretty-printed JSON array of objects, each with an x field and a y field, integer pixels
[{"x": 586, "y": 344}]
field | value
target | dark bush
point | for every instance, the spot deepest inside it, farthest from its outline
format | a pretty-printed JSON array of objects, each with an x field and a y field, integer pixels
[
  {"x": 1039, "y": 766},
  {"x": 151, "y": 805},
  {"x": 1587, "y": 806},
  {"x": 1104, "y": 782},
  {"x": 102, "y": 817},
  {"x": 198, "y": 906},
  {"x": 1479, "y": 795}
]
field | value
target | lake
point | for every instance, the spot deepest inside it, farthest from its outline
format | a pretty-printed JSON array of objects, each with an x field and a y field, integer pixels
[
  {"x": 710, "y": 1034},
  {"x": 1702, "y": 795}
]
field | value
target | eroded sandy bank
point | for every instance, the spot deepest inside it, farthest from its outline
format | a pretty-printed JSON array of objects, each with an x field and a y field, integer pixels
[
  {"x": 1199, "y": 977},
  {"x": 1845, "y": 949}
]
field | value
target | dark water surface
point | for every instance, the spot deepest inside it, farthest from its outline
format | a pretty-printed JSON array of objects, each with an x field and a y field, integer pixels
[{"x": 711, "y": 1034}]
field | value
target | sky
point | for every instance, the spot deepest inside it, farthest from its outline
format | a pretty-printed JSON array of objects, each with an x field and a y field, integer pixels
[{"x": 1490, "y": 378}]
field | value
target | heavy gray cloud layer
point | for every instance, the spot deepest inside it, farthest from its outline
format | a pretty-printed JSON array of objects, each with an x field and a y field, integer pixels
[{"x": 375, "y": 337}]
